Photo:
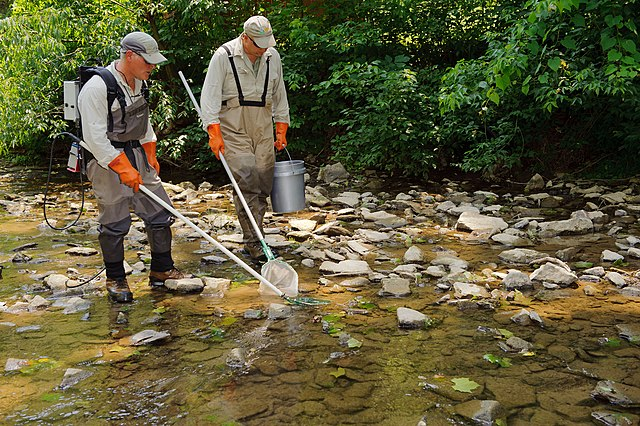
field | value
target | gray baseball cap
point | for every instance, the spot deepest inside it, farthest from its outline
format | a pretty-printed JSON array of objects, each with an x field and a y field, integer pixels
[
  {"x": 144, "y": 45},
  {"x": 259, "y": 29}
]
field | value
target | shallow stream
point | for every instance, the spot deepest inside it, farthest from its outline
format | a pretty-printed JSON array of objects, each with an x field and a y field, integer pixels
[{"x": 296, "y": 373}]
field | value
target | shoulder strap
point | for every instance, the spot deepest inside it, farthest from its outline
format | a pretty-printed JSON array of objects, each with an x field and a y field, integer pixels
[
  {"x": 114, "y": 91},
  {"x": 263, "y": 100}
]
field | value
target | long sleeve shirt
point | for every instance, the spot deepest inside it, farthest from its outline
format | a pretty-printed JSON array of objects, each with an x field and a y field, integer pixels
[
  {"x": 92, "y": 105},
  {"x": 220, "y": 85}
]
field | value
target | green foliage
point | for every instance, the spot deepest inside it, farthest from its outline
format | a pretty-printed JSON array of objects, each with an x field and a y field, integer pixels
[
  {"x": 541, "y": 84},
  {"x": 569, "y": 61},
  {"x": 386, "y": 123}
]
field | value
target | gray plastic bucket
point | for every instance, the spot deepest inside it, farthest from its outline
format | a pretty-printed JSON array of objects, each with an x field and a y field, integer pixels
[{"x": 287, "y": 194}]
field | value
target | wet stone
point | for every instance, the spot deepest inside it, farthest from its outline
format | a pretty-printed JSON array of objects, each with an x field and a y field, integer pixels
[
  {"x": 617, "y": 393},
  {"x": 213, "y": 260},
  {"x": 14, "y": 364},
  {"x": 253, "y": 314},
  {"x": 148, "y": 336},
  {"x": 482, "y": 412},
  {"x": 236, "y": 358},
  {"x": 185, "y": 285},
  {"x": 82, "y": 251},
  {"x": 76, "y": 304},
  {"x": 215, "y": 287},
  {"x": 608, "y": 418},
  {"x": 279, "y": 311},
  {"x": 395, "y": 287},
  {"x": 28, "y": 328},
  {"x": 410, "y": 318},
  {"x": 346, "y": 267},
  {"x": 73, "y": 376},
  {"x": 630, "y": 332},
  {"x": 21, "y": 258}
]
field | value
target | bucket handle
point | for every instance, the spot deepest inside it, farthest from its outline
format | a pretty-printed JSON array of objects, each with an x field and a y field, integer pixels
[{"x": 293, "y": 172}]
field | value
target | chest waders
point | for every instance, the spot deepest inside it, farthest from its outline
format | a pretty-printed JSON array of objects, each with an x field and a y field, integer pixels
[
  {"x": 255, "y": 174},
  {"x": 125, "y": 127}
]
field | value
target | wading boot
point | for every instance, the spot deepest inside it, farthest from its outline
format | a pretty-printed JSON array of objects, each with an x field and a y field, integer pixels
[
  {"x": 157, "y": 279},
  {"x": 119, "y": 290},
  {"x": 254, "y": 251}
]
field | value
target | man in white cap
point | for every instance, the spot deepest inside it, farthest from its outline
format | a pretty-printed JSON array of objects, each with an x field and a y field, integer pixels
[
  {"x": 121, "y": 155},
  {"x": 242, "y": 96}
]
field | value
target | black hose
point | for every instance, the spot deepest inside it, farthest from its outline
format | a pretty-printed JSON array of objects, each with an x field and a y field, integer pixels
[
  {"x": 46, "y": 189},
  {"x": 75, "y": 221},
  {"x": 87, "y": 281}
]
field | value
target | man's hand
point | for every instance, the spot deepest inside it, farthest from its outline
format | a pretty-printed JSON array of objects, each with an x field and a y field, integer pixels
[
  {"x": 128, "y": 175},
  {"x": 281, "y": 136},
  {"x": 150, "y": 150},
  {"x": 215, "y": 139}
]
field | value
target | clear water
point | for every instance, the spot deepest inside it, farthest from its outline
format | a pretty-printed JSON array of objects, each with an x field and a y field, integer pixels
[{"x": 296, "y": 373}]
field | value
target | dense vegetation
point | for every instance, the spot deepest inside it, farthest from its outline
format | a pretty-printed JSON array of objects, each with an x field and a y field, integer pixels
[{"x": 404, "y": 86}]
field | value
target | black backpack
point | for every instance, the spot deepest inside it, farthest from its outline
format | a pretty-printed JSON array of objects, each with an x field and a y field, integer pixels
[{"x": 114, "y": 91}]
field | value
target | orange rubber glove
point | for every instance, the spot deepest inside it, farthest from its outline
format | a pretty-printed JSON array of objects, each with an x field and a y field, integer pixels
[
  {"x": 128, "y": 175},
  {"x": 215, "y": 139},
  {"x": 150, "y": 150},
  {"x": 281, "y": 136}
]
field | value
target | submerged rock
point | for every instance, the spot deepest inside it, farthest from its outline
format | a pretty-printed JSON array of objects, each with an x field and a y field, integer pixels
[
  {"x": 482, "y": 412},
  {"x": 146, "y": 337},
  {"x": 73, "y": 376},
  {"x": 617, "y": 393},
  {"x": 236, "y": 358}
]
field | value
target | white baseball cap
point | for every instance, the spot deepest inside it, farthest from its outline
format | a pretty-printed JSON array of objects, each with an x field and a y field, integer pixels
[{"x": 144, "y": 45}]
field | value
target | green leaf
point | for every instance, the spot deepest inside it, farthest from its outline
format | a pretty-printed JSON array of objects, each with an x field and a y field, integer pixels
[
  {"x": 554, "y": 63},
  {"x": 611, "y": 69},
  {"x": 339, "y": 372},
  {"x": 493, "y": 96},
  {"x": 611, "y": 343},
  {"x": 463, "y": 384},
  {"x": 614, "y": 55},
  {"x": 330, "y": 318},
  {"x": 354, "y": 343},
  {"x": 216, "y": 334},
  {"x": 607, "y": 42},
  {"x": 629, "y": 46},
  {"x": 503, "y": 81},
  {"x": 505, "y": 333},
  {"x": 578, "y": 20},
  {"x": 502, "y": 362},
  {"x": 228, "y": 321},
  {"x": 568, "y": 42},
  {"x": 583, "y": 265}
]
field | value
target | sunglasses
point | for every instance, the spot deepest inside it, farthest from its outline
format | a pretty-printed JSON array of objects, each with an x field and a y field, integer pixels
[
  {"x": 145, "y": 61},
  {"x": 254, "y": 43}
]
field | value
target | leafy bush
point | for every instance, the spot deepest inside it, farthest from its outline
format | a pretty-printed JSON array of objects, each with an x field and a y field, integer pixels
[
  {"x": 554, "y": 88},
  {"x": 387, "y": 121}
]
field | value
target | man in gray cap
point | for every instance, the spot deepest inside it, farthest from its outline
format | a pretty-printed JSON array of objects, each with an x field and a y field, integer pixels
[
  {"x": 121, "y": 147},
  {"x": 242, "y": 96}
]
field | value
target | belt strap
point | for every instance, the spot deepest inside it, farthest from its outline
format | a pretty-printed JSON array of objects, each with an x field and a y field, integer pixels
[{"x": 128, "y": 147}]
